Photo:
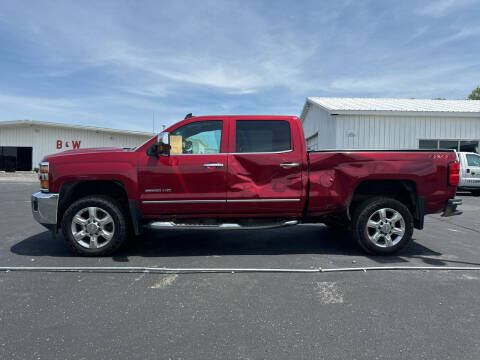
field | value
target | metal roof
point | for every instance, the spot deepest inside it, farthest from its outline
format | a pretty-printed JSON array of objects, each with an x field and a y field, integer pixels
[
  {"x": 377, "y": 106},
  {"x": 69, "y": 126}
]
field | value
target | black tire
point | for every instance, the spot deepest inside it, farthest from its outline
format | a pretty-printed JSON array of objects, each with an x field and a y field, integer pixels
[
  {"x": 362, "y": 232},
  {"x": 105, "y": 205}
]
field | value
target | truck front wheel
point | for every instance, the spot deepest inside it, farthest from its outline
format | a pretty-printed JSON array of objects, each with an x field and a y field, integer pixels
[
  {"x": 95, "y": 225},
  {"x": 382, "y": 225}
]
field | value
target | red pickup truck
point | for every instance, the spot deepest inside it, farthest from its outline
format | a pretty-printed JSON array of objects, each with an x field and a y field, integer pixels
[{"x": 241, "y": 172}]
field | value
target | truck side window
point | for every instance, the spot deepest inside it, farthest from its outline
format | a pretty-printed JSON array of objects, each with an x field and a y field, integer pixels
[
  {"x": 473, "y": 160},
  {"x": 257, "y": 136},
  {"x": 201, "y": 137}
]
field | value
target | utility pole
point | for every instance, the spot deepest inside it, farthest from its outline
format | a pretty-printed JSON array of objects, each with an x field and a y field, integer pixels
[{"x": 153, "y": 122}]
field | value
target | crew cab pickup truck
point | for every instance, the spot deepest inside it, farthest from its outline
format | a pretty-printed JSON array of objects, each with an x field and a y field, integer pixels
[{"x": 241, "y": 172}]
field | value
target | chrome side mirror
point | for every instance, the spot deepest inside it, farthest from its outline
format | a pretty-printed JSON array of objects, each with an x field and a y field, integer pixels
[
  {"x": 163, "y": 137},
  {"x": 161, "y": 147}
]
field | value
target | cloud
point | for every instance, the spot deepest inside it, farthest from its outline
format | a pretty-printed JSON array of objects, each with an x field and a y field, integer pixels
[
  {"x": 37, "y": 103},
  {"x": 461, "y": 34},
  {"x": 438, "y": 8},
  {"x": 70, "y": 110},
  {"x": 424, "y": 81},
  {"x": 78, "y": 38},
  {"x": 117, "y": 62}
]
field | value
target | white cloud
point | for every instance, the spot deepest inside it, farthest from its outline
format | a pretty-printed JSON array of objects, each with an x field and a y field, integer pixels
[
  {"x": 78, "y": 37},
  {"x": 463, "y": 33},
  {"x": 423, "y": 81},
  {"x": 121, "y": 60},
  {"x": 72, "y": 110},
  {"x": 37, "y": 103},
  {"x": 438, "y": 8}
]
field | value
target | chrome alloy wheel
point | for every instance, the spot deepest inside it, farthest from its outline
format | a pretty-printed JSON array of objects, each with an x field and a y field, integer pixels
[
  {"x": 93, "y": 227},
  {"x": 385, "y": 227}
]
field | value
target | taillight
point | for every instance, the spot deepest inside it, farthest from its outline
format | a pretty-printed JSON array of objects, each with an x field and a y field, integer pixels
[
  {"x": 43, "y": 176},
  {"x": 453, "y": 173}
]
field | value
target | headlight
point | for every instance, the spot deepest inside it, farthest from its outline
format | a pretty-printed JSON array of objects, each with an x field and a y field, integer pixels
[{"x": 43, "y": 176}]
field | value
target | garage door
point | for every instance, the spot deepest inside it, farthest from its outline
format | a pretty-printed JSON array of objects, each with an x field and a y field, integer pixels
[{"x": 15, "y": 158}]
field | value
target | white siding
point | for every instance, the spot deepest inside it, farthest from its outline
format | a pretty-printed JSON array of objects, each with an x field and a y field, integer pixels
[
  {"x": 399, "y": 132},
  {"x": 318, "y": 121},
  {"x": 312, "y": 142},
  {"x": 43, "y": 139}
]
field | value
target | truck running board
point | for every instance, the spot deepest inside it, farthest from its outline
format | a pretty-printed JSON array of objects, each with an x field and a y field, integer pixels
[{"x": 223, "y": 226}]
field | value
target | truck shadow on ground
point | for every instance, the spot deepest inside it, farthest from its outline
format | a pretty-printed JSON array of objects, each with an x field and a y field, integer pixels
[
  {"x": 306, "y": 239},
  {"x": 467, "y": 194}
]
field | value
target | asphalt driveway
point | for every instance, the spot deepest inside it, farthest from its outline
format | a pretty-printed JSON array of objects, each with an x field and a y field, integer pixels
[{"x": 384, "y": 315}]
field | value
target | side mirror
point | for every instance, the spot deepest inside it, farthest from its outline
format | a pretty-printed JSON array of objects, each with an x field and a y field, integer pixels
[{"x": 161, "y": 147}]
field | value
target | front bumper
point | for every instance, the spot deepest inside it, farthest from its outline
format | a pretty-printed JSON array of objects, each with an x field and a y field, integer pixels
[
  {"x": 450, "y": 208},
  {"x": 44, "y": 209}
]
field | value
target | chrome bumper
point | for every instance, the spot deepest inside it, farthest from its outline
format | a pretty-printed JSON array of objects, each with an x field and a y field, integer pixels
[{"x": 44, "y": 209}]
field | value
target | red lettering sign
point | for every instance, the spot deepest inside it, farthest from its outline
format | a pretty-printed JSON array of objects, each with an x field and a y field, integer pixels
[{"x": 75, "y": 144}]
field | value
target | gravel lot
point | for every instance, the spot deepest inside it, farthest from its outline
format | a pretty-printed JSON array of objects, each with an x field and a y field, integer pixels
[{"x": 372, "y": 315}]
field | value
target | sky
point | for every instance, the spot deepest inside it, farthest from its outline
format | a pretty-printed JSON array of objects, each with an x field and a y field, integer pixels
[{"x": 121, "y": 64}]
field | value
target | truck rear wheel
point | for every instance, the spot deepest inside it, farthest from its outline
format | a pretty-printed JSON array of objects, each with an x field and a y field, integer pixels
[
  {"x": 95, "y": 225},
  {"x": 382, "y": 225}
]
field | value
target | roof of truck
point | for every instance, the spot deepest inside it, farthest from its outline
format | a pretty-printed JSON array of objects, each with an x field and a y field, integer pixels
[{"x": 245, "y": 117}]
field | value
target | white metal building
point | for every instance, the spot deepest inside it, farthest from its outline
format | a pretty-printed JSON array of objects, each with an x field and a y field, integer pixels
[
  {"x": 23, "y": 143},
  {"x": 361, "y": 123}
]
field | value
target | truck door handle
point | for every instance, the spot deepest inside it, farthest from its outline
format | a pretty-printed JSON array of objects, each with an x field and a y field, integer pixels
[
  {"x": 213, "y": 165},
  {"x": 289, "y": 165}
]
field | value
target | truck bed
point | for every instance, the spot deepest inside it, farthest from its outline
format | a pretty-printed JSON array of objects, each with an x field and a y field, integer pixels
[
  {"x": 383, "y": 150},
  {"x": 334, "y": 175}
]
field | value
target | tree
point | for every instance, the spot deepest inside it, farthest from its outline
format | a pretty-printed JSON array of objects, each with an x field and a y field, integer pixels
[
  {"x": 475, "y": 95},
  {"x": 439, "y": 98}
]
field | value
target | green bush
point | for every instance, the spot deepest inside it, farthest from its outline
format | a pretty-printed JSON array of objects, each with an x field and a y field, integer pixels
[{"x": 475, "y": 95}]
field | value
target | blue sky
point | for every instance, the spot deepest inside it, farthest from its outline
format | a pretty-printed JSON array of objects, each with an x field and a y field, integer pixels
[{"x": 113, "y": 64}]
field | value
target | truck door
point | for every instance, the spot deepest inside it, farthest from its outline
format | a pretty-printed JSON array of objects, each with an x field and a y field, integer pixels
[
  {"x": 192, "y": 179},
  {"x": 265, "y": 169},
  {"x": 471, "y": 171}
]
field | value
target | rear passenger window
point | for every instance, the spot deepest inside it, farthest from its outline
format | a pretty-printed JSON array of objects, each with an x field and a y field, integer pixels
[
  {"x": 257, "y": 136},
  {"x": 473, "y": 160}
]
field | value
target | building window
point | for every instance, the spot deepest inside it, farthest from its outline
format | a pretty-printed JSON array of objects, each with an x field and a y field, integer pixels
[
  {"x": 428, "y": 144},
  {"x": 448, "y": 144},
  {"x": 459, "y": 145},
  {"x": 469, "y": 146}
]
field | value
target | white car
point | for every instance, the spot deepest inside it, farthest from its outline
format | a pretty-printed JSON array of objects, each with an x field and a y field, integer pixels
[{"x": 469, "y": 172}]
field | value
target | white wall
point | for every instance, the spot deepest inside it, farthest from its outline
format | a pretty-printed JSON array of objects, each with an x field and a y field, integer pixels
[
  {"x": 401, "y": 132},
  {"x": 383, "y": 131},
  {"x": 319, "y": 121},
  {"x": 43, "y": 139}
]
